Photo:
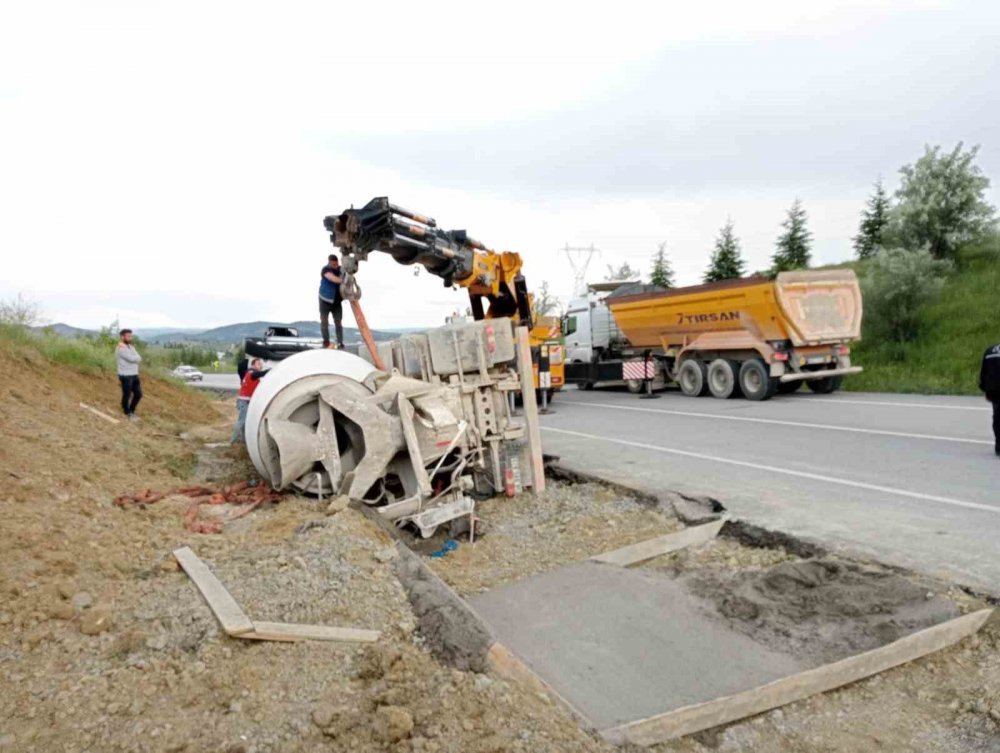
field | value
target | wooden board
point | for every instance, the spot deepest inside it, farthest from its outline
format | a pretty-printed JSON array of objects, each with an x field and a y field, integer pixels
[
  {"x": 530, "y": 408},
  {"x": 99, "y": 413},
  {"x": 286, "y": 631},
  {"x": 509, "y": 665},
  {"x": 226, "y": 610},
  {"x": 702, "y": 716},
  {"x": 671, "y": 542}
]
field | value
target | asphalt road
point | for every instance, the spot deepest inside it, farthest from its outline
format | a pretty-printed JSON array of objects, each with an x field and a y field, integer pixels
[
  {"x": 219, "y": 382},
  {"x": 911, "y": 480}
]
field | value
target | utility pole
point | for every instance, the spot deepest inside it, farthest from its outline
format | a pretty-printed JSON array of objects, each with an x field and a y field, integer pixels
[{"x": 579, "y": 259}]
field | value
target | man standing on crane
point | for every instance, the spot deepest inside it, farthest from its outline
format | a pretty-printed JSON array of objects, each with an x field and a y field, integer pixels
[{"x": 330, "y": 301}]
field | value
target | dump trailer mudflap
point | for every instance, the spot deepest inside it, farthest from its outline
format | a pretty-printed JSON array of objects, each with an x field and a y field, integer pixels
[
  {"x": 591, "y": 373},
  {"x": 798, "y": 376}
]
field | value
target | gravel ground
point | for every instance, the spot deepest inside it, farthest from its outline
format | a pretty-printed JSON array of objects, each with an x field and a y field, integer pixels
[
  {"x": 105, "y": 645},
  {"x": 528, "y": 534}
]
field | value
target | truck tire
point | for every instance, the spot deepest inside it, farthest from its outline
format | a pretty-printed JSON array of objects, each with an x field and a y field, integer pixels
[
  {"x": 722, "y": 378},
  {"x": 826, "y": 385},
  {"x": 692, "y": 378},
  {"x": 787, "y": 388},
  {"x": 756, "y": 382},
  {"x": 634, "y": 386}
]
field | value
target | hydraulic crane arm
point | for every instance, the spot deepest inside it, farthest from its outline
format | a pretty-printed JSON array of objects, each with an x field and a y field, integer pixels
[{"x": 412, "y": 238}]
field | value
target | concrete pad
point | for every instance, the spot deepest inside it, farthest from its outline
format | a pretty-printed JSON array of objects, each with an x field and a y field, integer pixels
[{"x": 622, "y": 645}]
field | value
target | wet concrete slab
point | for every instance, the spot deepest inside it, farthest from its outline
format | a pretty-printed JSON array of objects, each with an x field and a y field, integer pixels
[{"x": 625, "y": 644}]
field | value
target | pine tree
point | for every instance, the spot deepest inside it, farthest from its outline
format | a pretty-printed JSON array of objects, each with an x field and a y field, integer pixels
[
  {"x": 662, "y": 275},
  {"x": 792, "y": 250},
  {"x": 727, "y": 262},
  {"x": 874, "y": 219}
]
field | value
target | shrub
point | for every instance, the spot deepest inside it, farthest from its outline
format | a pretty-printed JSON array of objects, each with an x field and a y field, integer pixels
[{"x": 897, "y": 284}]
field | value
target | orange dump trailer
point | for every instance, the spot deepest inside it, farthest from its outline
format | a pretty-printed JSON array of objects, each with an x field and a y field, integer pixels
[{"x": 749, "y": 336}]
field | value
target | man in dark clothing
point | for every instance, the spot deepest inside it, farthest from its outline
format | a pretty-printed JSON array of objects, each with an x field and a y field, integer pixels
[
  {"x": 989, "y": 382},
  {"x": 330, "y": 301}
]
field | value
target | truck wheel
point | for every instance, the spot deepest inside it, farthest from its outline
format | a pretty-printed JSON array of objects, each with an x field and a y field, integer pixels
[
  {"x": 722, "y": 378},
  {"x": 787, "y": 388},
  {"x": 634, "y": 386},
  {"x": 756, "y": 382},
  {"x": 692, "y": 378},
  {"x": 585, "y": 385},
  {"x": 826, "y": 385}
]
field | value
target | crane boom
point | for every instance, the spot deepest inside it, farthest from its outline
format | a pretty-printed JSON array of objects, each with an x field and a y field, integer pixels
[{"x": 452, "y": 255}]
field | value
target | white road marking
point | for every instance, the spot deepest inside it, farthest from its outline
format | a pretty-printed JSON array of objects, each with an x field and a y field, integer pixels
[
  {"x": 783, "y": 471},
  {"x": 796, "y": 424},
  {"x": 831, "y": 400}
]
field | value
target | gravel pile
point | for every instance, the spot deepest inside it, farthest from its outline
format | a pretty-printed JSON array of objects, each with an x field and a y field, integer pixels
[{"x": 529, "y": 534}]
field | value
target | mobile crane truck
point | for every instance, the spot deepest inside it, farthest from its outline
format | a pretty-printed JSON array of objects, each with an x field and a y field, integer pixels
[
  {"x": 494, "y": 280},
  {"x": 751, "y": 336}
]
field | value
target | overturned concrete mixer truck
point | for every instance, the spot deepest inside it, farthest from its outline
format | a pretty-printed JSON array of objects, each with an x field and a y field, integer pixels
[
  {"x": 751, "y": 337},
  {"x": 419, "y": 441}
]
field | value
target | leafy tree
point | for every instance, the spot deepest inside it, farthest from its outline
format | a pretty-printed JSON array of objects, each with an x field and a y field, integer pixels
[
  {"x": 896, "y": 286},
  {"x": 622, "y": 272},
  {"x": 874, "y": 221},
  {"x": 20, "y": 312},
  {"x": 662, "y": 274},
  {"x": 727, "y": 261},
  {"x": 793, "y": 244},
  {"x": 941, "y": 201},
  {"x": 544, "y": 302}
]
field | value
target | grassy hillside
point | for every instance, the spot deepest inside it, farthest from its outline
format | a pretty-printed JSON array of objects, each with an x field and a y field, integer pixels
[{"x": 955, "y": 329}]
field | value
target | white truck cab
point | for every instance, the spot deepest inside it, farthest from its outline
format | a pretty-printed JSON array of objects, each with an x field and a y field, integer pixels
[{"x": 588, "y": 324}]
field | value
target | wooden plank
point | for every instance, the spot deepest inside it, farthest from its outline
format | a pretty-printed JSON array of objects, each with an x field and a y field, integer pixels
[
  {"x": 509, "y": 665},
  {"x": 671, "y": 542},
  {"x": 99, "y": 413},
  {"x": 691, "y": 719},
  {"x": 226, "y": 610},
  {"x": 287, "y": 631},
  {"x": 530, "y": 408}
]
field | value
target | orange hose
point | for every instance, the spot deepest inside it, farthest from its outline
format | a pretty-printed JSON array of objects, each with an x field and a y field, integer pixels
[{"x": 366, "y": 334}]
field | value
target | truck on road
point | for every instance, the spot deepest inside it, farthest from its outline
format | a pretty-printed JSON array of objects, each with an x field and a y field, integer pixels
[{"x": 751, "y": 336}]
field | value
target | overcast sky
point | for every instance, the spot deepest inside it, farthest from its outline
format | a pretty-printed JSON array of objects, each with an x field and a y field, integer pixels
[{"x": 171, "y": 163}]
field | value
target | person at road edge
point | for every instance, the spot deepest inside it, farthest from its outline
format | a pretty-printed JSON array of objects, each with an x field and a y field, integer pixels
[
  {"x": 247, "y": 387},
  {"x": 989, "y": 382},
  {"x": 128, "y": 373},
  {"x": 330, "y": 301}
]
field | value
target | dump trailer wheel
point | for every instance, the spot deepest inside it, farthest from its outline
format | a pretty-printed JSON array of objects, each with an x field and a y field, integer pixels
[
  {"x": 756, "y": 381},
  {"x": 826, "y": 385},
  {"x": 693, "y": 378},
  {"x": 787, "y": 388},
  {"x": 722, "y": 378}
]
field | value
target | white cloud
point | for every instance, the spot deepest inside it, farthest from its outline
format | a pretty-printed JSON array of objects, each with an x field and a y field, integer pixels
[{"x": 177, "y": 160}]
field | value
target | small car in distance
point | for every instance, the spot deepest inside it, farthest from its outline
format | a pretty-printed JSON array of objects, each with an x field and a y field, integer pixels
[{"x": 188, "y": 373}]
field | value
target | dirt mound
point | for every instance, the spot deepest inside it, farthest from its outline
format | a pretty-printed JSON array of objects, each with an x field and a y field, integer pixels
[
  {"x": 824, "y": 609},
  {"x": 105, "y": 645}
]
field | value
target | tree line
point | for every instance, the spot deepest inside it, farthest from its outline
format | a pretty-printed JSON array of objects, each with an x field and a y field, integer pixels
[{"x": 939, "y": 206}]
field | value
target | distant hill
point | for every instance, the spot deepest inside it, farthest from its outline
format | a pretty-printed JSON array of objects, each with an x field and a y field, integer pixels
[
  {"x": 234, "y": 334},
  {"x": 154, "y": 333},
  {"x": 67, "y": 330}
]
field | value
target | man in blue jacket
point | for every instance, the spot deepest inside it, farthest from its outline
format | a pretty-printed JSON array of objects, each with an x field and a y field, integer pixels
[
  {"x": 330, "y": 301},
  {"x": 989, "y": 382}
]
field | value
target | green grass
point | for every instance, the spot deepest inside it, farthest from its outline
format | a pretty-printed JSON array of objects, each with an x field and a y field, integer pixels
[
  {"x": 955, "y": 330},
  {"x": 82, "y": 354}
]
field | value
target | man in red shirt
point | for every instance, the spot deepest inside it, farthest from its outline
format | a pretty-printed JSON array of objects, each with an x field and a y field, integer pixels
[{"x": 250, "y": 381}]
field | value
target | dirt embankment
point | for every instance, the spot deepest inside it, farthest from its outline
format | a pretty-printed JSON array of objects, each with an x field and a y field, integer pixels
[{"x": 106, "y": 646}]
